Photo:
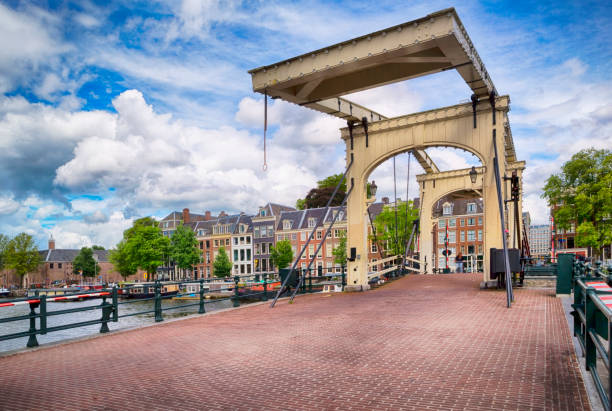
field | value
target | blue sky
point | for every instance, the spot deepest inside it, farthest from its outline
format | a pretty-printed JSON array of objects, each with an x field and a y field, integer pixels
[{"x": 115, "y": 111}]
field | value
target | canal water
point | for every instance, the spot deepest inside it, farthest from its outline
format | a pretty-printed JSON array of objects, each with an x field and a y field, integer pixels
[{"x": 133, "y": 306}]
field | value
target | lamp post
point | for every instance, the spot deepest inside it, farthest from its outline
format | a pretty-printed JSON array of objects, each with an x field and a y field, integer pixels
[{"x": 473, "y": 175}]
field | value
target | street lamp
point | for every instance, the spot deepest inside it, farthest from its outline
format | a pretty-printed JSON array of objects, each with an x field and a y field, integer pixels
[
  {"x": 373, "y": 188},
  {"x": 473, "y": 174}
]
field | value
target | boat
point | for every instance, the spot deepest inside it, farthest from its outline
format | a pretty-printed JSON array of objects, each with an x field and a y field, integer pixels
[
  {"x": 147, "y": 290},
  {"x": 4, "y": 292}
]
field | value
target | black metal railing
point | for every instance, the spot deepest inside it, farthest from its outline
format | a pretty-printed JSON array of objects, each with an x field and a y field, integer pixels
[
  {"x": 235, "y": 289},
  {"x": 592, "y": 322}
]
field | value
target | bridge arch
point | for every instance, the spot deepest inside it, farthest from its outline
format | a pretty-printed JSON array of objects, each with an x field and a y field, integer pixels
[{"x": 450, "y": 127}]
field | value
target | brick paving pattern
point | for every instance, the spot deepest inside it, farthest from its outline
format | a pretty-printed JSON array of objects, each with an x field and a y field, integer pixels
[{"x": 419, "y": 343}]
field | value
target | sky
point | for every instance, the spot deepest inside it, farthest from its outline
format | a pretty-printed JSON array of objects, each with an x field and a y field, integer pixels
[{"x": 115, "y": 111}]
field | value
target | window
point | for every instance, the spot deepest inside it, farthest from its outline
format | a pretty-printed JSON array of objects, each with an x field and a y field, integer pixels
[
  {"x": 479, "y": 235},
  {"x": 235, "y": 240},
  {"x": 248, "y": 254},
  {"x": 479, "y": 248},
  {"x": 340, "y": 215},
  {"x": 447, "y": 209},
  {"x": 248, "y": 239},
  {"x": 270, "y": 231},
  {"x": 207, "y": 243},
  {"x": 462, "y": 236},
  {"x": 441, "y": 238},
  {"x": 471, "y": 208},
  {"x": 471, "y": 235},
  {"x": 242, "y": 228},
  {"x": 374, "y": 248},
  {"x": 50, "y": 265},
  {"x": 241, "y": 255},
  {"x": 452, "y": 238},
  {"x": 235, "y": 255},
  {"x": 227, "y": 241},
  {"x": 442, "y": 223},
  {"x": 256, "y": 232},
  {"x": 59, "y": 265},
  {"x": 480, "y": 220},
  {"x": 336, "y": 233},
  {"x": 312, "y": 222},
  {"x": 462, "y": 222},
  {"x": 471, "y": 221},
  {"x": 303, "y": 236},
  {"x": 462, "y": 249},
  {"x": 328, "y": 250},
  {"x": 208, "y": 257},
  {"x": 262, "y": 213},
  {"x": 208, "y": 271},
  {"x": 311, "y": 251},
  {"x": 257, "y": 250},
  {"x": 319, "y": 234},
  {"x": 279, "y": 238},
  {"x": 286, "y": 225},
  {"x": 293, "y": 236},
  {"x": 264, "y": 264},
  {"x": 452, "y": 222},
  {"x": 248, "y": 268}
]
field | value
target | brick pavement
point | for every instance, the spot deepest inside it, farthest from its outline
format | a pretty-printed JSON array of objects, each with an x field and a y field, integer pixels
[{"x": 420, "y": 343}]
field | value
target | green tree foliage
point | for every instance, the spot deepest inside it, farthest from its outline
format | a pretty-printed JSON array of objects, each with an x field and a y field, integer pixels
[
  {"x": 222, "y": 266},
  {"x": 85, "y": 263},
  {"x": 582, "y": 194},
  {"x": 4, "y": 241},
  {"x": 97, "y": 247},
  {"x": 121, "y": 260},
  {"x": 385, "y": 227},
  {"x": 141, "y": 222},
  {"x": 332, "y": 181},
  {"x": 282, "y": 254},
  {"x": 22, "y": 255},
  {"x": 184, "y": 248},
  {"x": 319, "y": 196},
  {"x": 339, "y": 251},
  {"x": 146, "y": 246}
]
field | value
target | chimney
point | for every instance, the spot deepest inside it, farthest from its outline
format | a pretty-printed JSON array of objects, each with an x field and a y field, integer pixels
[
  {"x": 185, "y": 215},
  {"x": 51, "y": 242},
  {"x": 207, "y": 215},
  {"x": 385, "y": 200},
  {"x": 222, "y": 214}
]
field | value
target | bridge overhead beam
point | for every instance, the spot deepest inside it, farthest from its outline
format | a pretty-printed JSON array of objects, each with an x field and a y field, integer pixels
[{"x": 420, "y": 47}]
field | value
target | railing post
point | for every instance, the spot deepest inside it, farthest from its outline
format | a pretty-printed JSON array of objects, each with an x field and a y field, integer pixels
[
  {"x": 107, "y": 309},
  {"x": 236, "y": 295},
  {"x": 32, "y": 341},
  {"x": 343, "y": 276},
  {"x": 590, "y": 354},
  {"x": 158, "y": 308},
  {"x": 115, "y": 304},
  {"x": 43, "y": 314},
  {"x": 303, "y": 283},
  {"x": 265, "y": 290},
  {"x": 201, "y": 310}
]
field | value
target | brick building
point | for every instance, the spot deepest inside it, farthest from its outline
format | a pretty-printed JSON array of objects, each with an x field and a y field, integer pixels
[
  {"x": 263, "y": 236},
  {"x": 462, "y": 219}
]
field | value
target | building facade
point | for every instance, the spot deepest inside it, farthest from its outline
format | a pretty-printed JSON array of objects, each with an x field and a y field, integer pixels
[
  {"x": 461, "y": 220},
  {"x": 540, "y": 241},
  {"x": 264, "y": 224}
]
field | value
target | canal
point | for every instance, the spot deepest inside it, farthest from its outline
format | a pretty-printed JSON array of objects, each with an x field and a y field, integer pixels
[{"x": 133, "y": 306}]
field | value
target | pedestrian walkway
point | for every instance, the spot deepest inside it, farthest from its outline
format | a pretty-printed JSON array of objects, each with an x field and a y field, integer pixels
[{"x": 421, "y": 342}]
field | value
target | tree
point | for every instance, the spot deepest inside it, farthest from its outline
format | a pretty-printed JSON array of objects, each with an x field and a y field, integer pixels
[
  {"x": 320, "y": 195},
  {"x": 22, "y": 255},
  {"x": 121, "y": 260},
  {"x": 97, "y": 247},
  {"x": 146, "y": 246},
  {"x": 339, "y": 251},
  {"x": 385, "y": 227},
  {"x": 4, "y": 241},
  {"x": 282, "y": 254},
  {"x": 85, "y": 264},
  {"x": 222, "y": 266},
  {"x": 581, "y": 194},
  {"x": 184, "y": 248}
]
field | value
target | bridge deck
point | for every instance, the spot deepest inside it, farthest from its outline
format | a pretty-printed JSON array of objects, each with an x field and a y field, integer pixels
[{"x": 422, "y": 342}]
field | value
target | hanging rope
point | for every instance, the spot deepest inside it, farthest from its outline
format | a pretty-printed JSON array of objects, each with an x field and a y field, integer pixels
[
  {"x": 395, "y": 202},
  {"x": 407, "y": 188},
  {"x": 265, "y": 164}
]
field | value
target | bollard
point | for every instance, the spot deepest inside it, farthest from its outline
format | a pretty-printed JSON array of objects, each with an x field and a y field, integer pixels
[
  {"x": 107, "y": 309},
  {"x": 158, "y": 308},
  {"x": 201, "y": 310},
  {"x": 310, "y": 283},
  {"x": 236, "y": 295},
  {"x": 32, "y": 341},
  {"x": 115, "y": 304},
  {"x": 343, "y": 277},
  {"x": 265, "y": 290}
]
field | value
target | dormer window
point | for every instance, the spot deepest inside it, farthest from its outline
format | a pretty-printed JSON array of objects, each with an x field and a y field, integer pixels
[
  {"x": 447, "y": 209},
  {"x": 340, "y": 215},
  {"x": 471, "y": 208},
  {"x": 286, "y": 225},
  {"x": 262, "y": 213},
  {"x": 312, "y": 222}
]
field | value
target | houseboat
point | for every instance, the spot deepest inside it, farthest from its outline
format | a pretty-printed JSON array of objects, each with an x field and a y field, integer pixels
[{"x": 147, "y": 290}]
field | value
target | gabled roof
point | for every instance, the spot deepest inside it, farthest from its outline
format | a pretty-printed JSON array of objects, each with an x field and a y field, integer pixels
[
  {"x": 65, "y": 255},
  {"x": 330, "y": 214},
  {"x": 459, "y": 206},
  {"x": 317, "y": 213},
  {"x": 295, "y": 217},
  {"x": 273, "y": 210}
]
